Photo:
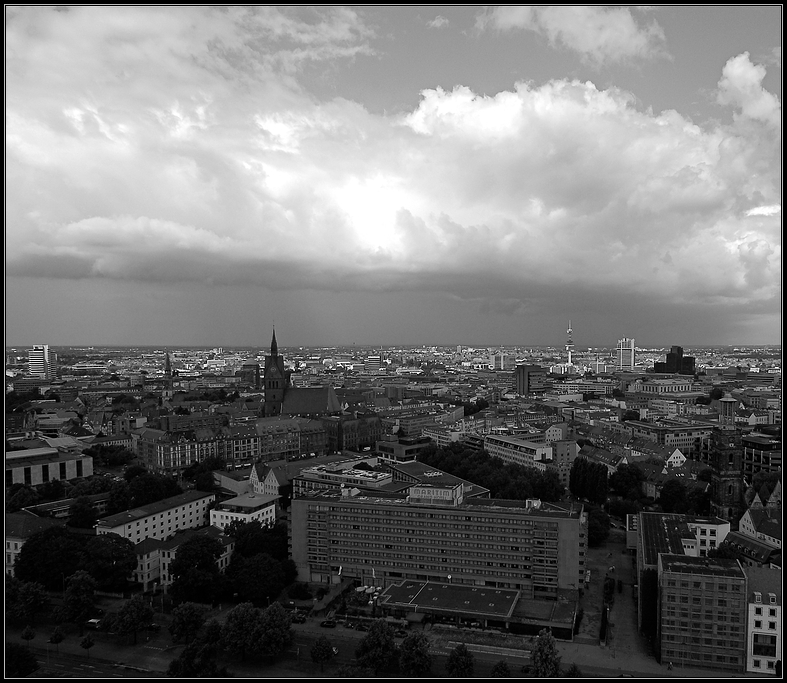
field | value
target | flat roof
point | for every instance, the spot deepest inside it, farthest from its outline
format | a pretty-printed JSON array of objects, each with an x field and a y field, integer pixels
[
  {"x": 134, "y": 514},
  {"x": 448, "y": 597},
  {"x": 250, "y": 500},
  {"x": 706, "y": 566}
]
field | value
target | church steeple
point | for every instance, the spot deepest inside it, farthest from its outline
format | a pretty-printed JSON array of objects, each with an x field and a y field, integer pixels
[{"x": 274, "y": 345}]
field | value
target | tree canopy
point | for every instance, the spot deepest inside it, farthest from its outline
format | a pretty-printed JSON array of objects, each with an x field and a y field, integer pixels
[
  {"x": 546, "y": 660},
  {"x": 195, "y": 574},
  {"x": 48, "y": 556},
  {"x": 377, "y": 647},
  {"x": 134, "y": 615},
  {"x": 188, "y": 619},
  {"x": 414, "y": 658},
  {"x": 460, "y": 663}
]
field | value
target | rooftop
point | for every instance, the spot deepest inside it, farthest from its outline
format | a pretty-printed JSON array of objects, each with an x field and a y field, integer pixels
[{"x": 153, "y": 508}]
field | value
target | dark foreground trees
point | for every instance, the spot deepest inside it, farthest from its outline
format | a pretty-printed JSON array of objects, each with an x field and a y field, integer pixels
[
  {"x": 414, "y": 658},
  {"x": 546, "y": 660}
]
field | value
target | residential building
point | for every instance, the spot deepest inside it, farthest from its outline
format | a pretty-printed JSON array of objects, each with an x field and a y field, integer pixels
[
  {"x": 160, "y": 520},
  {"x": 764, "y": 623},
  {"x": 702, "y": 613}
]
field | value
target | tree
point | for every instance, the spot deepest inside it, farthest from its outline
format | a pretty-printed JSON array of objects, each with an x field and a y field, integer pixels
[
  {"x": 321, "y": 652},
  {"x": 187, "y": 620},
  {"x": 255, "y": 579},
  {"x": 414, "y": 658},
  {"x": 22, "y": 498},
  {"x": 275, "y": 634},
  {"x": 627, "y": 481},
  {"x": 598, "y": 526},
  {"x": 57, "y": 637},
  {"x": 546, "y": 661},
  {"x": 240, "y": 631},
  {"x": 377, "y": 647},
  {"x": 672, "y": 497},
  {"x": 501, "y": 670},
  {"x": 28, "y": 634},
  {"x": 461, "y": 662},
  {"x": 195, "y": 574},
  {"x": 19, "y": 661},
  {"x": 23, "y": 600},
  {"x": 198, "y": 660},
  {"x": 82, "y": 514},
  {"x": 86, "y": 643},
  {"x": 79, "y": 600},
  {"x": 134, "y": 615},
  {"x": 49, "y": 555},
  {"x": 110, "y": 559}
]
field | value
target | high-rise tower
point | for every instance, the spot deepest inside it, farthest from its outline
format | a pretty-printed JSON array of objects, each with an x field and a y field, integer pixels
[
  {"x": 625, "y": 354},
  {"x": 41, "y": 361},
  {"x": 569, "y": 342}
]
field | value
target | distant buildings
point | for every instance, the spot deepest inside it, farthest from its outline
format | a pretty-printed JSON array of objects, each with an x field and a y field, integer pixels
[{"x": 676, "y": 363}]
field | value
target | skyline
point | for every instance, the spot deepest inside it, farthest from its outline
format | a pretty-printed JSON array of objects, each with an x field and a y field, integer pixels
[{"x": 393, "y": 175}]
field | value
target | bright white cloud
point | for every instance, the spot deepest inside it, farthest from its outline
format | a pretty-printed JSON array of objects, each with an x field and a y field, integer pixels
[
  {"x": 194, "y": 163},
  {"x": 598, "y": 34}
]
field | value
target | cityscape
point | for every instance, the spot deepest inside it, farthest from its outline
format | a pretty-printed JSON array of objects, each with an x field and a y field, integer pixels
[{"x": 393, "y": 341}]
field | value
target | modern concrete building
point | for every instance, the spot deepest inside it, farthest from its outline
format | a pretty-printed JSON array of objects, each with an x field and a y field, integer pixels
[
  {"x": 35, "y": 466},
  {"x": 530, "y": 379},
  {"x": 518, "y": 450},
  {"x": 702, "y": 615},
  {"x": 248, "y": 507},
  {"x": 41, "y": 362},
  {"x": 433, "y": 533},
  {"x": 625, "y": 355}
]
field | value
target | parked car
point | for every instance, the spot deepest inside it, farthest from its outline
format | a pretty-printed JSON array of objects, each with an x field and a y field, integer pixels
[
  {"x": 328, "y": 623},
  {"x": 401, "y": 633},
  {"x": 95, "y": 624},
  {"x": 298, "y": 618},
  {"x": 153, "y": 627},
  {"x": 361, "y": 627}
]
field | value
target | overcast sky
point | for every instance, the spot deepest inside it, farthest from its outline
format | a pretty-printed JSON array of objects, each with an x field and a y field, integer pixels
[{"x": 393, "y": 175}]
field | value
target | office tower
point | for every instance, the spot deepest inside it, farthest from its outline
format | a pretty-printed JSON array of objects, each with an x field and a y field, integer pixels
[
  {"x": 676, "y": 363},
  {"x": 529, "y": 379},
  {"x": 625, "y": 354},
  {"x": 41, "y": 361}
]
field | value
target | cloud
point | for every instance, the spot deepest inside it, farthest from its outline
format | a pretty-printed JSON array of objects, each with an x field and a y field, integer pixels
[
  {"x": 765, "y": 210},
  {"x": 741, "y": 88},
  {"x": 438, "y": 22},
  {"x": 599, "y": 35},
  {"x": 191, "y": 165}
]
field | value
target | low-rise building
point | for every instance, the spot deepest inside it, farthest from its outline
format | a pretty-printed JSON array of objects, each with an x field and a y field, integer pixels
[
  {"x": 36, "y": 466},
  {"x": 248, "y": 507},
  {"x": 19, "y": 526}
]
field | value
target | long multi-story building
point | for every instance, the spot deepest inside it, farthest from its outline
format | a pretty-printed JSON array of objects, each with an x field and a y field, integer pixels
[
  {"x": 702, "y": 615},
  {"x": 433, "y": 534},
  {"x": 530, "y": 379},
  {"x": 518, "y": 450},
  {"x": 689, "y": 438},
  {"x": 35, "y": 466},
  {"x": 159, "y": 520}
]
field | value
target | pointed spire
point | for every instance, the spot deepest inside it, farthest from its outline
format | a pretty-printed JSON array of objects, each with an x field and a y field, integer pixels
[{"x": 274, "y": 345}]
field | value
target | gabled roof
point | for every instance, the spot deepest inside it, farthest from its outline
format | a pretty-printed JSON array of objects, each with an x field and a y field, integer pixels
[
  {"x": 310, "y": 401},
  {"x": 25, "y": 524}
]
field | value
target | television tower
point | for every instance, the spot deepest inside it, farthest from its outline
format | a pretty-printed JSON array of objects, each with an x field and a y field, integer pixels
[{"x": 569, "y": 342}]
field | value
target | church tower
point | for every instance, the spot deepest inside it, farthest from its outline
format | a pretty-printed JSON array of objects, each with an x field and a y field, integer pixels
[
  {"x": 725, "y": 457},
  {"x": 275, "y": 380}
]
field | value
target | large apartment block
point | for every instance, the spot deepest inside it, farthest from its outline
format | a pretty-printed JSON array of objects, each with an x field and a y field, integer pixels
[
  {"x": 434, "y": 534},
  {"x": 518, "y": 450},
  {"x": 160, "y": 520}
]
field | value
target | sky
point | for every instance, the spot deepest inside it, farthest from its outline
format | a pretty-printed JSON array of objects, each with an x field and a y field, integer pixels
[{"x": 433, "y": 175}]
